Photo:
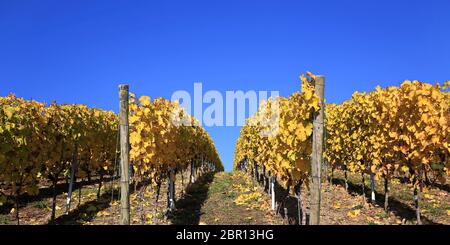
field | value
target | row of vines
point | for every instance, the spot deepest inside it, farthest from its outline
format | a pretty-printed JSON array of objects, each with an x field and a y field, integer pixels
[
  {"x": 42, "y": 145},
  {"x": 276, "y": 142},
  {"x": 166, "y": 141},
  {"x": 395, "y": 132}
]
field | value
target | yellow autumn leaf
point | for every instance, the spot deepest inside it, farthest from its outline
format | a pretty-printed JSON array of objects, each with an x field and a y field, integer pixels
[
  {"x": 404, "y": 169},
  {"x": 428, "y": 196},
  {"x": 337, "y": 205},
  {"x": 354, "y": 213},
  {"x": 144, "y": 100}
]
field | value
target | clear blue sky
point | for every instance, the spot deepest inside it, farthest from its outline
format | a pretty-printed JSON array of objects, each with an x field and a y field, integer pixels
[{"x": 79, "y": 51}]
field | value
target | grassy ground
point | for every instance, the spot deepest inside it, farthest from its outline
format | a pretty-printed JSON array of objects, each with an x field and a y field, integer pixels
[
  {"x": 349, "y": 207},
  {"x": 210, "y": 200},
  {"x": 234, "y": 198},
  {"x": 88, "y": 209},
  {"x": 435, "y": 203},
  {"x": 37, "y": 209}
]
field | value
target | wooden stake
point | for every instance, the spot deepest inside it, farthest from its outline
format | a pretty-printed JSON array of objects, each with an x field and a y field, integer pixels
[
  {"x": 346, "y": 178},
  {"x": 171, "y": 191},
  {"x": 372, "y": 187},
  {"x": 386, "y": 193},
  {"x": 272, "y": 188},
  {"x": 317, "y": 153},
  {"x": 363, "y": 180},
  {"x": 192, "y": 180},
  {"x": 418, "y": 188},
  {"x": 124, "y": 156},
  {"x": 72, "y": 178},
  {"x": 298, "y": 194}
]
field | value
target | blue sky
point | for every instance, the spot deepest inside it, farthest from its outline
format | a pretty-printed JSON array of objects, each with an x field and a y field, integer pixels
[{"x": 79, "y": 51}]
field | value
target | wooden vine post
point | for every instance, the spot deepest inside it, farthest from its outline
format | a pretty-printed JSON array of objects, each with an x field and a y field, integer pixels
[
  {"x": 317, "y": 153},
  {"x": 272, "y": 192},
  {"x": 171, "y": 191},
  {"x": 124, "y": 156},
  {"x": 73, "y": 168},
  {"x": 372, "y": 187}
]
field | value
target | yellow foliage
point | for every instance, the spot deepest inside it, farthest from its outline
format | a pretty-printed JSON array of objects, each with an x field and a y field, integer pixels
[
  {"x": 354, "y": 213},
  {"x": 247, "y": 199}
]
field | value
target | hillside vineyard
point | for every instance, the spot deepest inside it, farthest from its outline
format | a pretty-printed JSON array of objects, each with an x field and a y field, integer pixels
[
  {"x": 395, "y": 132},
  {"x": 43, "y": 144}
]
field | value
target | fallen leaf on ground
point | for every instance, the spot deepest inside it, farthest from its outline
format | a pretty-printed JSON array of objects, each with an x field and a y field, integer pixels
[
  {"x": 354, "y": 213},
  {"x": 428, "y": 196}
]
